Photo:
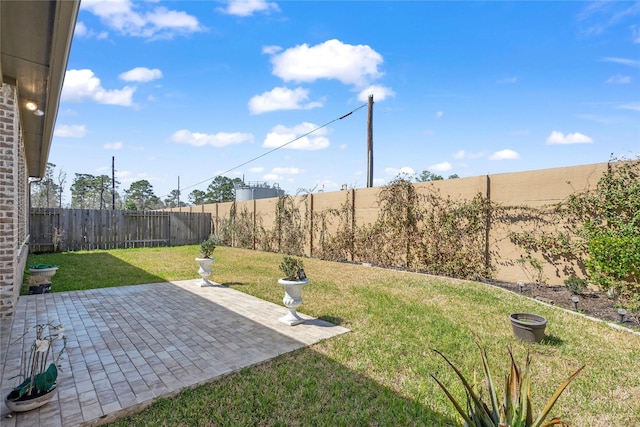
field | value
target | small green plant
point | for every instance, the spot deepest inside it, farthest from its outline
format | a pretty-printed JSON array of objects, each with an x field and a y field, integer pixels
[
  {"x": 515, "y": 408},
  {"x": 533, "y": 268},
  {"x": 576, "y": 284},
  {"x": 208, "y": 246},
  {"x": 39, "y": 377},
  {"x": 292, "y": 268}
]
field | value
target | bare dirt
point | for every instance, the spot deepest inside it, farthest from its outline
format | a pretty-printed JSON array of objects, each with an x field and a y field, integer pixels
[{"x": 591, "y": 303}]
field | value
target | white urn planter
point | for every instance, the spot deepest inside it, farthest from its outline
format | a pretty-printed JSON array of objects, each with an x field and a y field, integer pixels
[
  {"x": 42, "y": 272},
  {"x": 205, "y": 270},
  {"x": 28, "y": 403},
  {"x": 292, "y": 300}
]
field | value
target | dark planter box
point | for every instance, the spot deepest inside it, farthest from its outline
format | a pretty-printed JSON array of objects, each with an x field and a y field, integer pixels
[
  {"x": 42, "y": 288},
  {"x": 528, "y": 327}
]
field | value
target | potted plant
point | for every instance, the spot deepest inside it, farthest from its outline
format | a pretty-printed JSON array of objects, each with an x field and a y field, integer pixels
[
  {"x": 206, "y": 250},
  {"x": 293, "y": 281},
  {"x": 40, "y": 277},
  {"x": 528, "y": 327},
  {"x": 39, "y": 371}
]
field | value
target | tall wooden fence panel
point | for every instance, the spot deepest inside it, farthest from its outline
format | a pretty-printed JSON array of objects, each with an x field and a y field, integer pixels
[{"x": 88, "y": 229}]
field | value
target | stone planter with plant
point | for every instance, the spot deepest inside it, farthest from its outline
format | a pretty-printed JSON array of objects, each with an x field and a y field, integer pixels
[
  {"x": 293, "y": 281},
  {"x": 206, "y": 250}
]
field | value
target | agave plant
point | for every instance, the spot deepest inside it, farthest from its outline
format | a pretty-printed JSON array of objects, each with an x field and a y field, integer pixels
[{"x": 515, "y": 409}]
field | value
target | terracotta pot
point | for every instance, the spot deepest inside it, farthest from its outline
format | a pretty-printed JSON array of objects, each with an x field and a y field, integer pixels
[{"x": 528, "y": 327}]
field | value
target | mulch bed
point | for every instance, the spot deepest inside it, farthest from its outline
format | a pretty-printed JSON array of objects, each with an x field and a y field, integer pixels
[{"x": 592, "y": 303}]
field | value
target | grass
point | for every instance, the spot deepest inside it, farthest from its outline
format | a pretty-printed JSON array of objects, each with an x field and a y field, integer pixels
[{"x": 378, "y": 374}]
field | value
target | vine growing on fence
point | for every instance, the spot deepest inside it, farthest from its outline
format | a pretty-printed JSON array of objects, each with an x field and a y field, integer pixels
[{"x": 599, "y": 228}]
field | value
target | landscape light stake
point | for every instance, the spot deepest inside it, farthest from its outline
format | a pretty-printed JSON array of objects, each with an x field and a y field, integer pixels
[
  {"x": 621, "y": 313},
  {"x": 575, "y": 302}
]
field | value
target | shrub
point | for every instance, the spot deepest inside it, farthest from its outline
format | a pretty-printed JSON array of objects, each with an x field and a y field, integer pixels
[
  {"x": 576, "y": 284},
  {"x": 208, "y": 246},
  {"x": 292, "y": 268}
]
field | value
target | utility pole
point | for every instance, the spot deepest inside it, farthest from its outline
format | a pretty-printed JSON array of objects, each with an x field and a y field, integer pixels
[
  {"x": 370, "y": 144},
  {"x": 179, "y": 208},
  {"x": 113, "y": 183}
]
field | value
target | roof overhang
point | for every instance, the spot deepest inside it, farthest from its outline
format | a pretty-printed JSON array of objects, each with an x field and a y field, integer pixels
[{"x": 35, "y": 38}]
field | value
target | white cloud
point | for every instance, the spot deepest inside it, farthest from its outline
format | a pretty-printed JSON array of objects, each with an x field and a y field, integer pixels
[
  {"x": 270, "y": 50},
  {"x": 248, "y": 7},
  {"x": 281, "y": 135},
  {"x": 287, "y": 171},
  {"x": 113, "y": 146},
  {"x": 80, "y": 30},
  {"x": 405, "y": 170},
  {"x": 624, "y": 61},
  {"x": 282, "y": 98},
  {"x": 508, "y": 80},
  {"x": 257, "y": 169},
  {"x": 81, "y": 85},
  {"x": 220, "y": 139},
  {"x": 570, "y": 138},
  {"x": 635, "y": 34},
  {"x": 70, "y": 131},
  {"x": 141, "y": 74},
  {"x": 619, "y": 79},
  {"x": 504, "y": 155},
  {"x": 333, "y": 59},
  {"x": 633, "y": 106},
  {"x": 138, "y": 19},
  {"x": 462, "y": 154},
  {"x": 380, "y": 93},
  {"x": 440, "y": 167},
  {"x": 439, "y": 114}
]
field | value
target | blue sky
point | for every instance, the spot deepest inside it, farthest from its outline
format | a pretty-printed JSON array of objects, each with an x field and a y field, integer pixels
[{"x": 192, "y": 89}]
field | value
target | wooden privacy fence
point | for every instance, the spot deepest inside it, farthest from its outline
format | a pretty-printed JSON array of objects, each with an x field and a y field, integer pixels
[{"x": 88, "y": 229}]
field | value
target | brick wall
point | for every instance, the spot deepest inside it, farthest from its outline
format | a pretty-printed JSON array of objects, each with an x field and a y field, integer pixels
[{"x": 13, "y": 202}]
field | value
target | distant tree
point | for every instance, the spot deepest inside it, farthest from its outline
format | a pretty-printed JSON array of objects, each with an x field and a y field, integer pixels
[
  {"x": 425, "y": 176},
  {"x": 454, "y": 176},
  {"x": 198, "y": 197},
  {"x": 141, "y": 194},
  {"x": 130, "y": 205},
  {"x": 173, "y": 200},
  {"x": 91, "y": 192},
  {"x": 222, "y": 189},
  {"x": 47, "y": 192}
]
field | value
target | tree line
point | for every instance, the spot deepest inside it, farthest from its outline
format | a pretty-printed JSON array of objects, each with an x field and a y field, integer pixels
[{"x": 101, "y": 192}]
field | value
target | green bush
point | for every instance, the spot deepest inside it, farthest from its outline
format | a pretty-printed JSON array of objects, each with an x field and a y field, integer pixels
[{"x": 576, "y": 284}]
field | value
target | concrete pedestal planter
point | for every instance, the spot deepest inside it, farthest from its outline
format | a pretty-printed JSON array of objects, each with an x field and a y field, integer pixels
[
  {"x": 205, "y": 270},
  {"x": 528, "y": 327},
  {"x": 42, "y": 272},
  {"x": 292, "y": 300}
]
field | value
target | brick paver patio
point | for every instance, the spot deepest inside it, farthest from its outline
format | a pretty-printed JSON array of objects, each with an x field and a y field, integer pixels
[{"x": 132, "y": 344}]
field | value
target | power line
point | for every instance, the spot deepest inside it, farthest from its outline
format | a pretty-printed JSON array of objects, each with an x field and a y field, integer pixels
[{"x": 276, "y": 148}]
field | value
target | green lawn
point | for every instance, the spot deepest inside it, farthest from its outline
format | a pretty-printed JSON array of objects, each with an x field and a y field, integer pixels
[{"x": 379, "y": 373}]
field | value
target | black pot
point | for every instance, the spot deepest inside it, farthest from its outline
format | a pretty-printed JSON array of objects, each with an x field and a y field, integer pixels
[
  {"x": 42, "y": 288},
  {"x": 528, "y": 327}
]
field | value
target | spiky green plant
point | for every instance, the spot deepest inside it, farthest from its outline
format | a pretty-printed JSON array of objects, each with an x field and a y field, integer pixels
[
  {"x": 515, "y": 410},
  {"x": 292, "y": 267}
]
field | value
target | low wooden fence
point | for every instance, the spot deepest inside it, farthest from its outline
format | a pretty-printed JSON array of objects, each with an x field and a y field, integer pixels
[{"x": 88, "y": 229}]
